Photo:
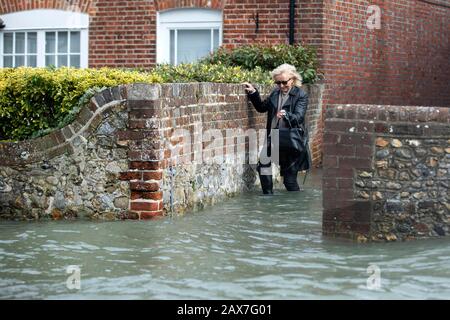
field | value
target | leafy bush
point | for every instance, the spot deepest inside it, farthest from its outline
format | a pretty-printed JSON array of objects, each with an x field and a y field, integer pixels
[
  {"x": 33, "y": 101},
  {"x": 268, "y": 58},
  {"x": 201, "y": 72}
]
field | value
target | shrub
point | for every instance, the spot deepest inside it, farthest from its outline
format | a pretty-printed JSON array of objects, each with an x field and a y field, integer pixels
[
  {"x": 201, "y": 72},
  {"x": 268, "y": 58},
  {"x": 35, "y": 99}
]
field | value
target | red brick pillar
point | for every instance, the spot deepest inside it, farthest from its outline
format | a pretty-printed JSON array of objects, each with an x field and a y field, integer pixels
[
  {"x": 145, "y": 154},
  {"x": 348, "y": 148}
]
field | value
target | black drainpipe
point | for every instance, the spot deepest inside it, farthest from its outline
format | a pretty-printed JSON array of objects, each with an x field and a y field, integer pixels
[{"x": 291, "y": 21}]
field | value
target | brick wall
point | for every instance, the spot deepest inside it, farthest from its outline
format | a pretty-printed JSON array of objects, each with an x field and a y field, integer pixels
[
  {"x": 204, "y": 127},
  {"x": 140, "y": 151},
  {"x": 240, "y": 19},
  {"x": 386, "y": 172},
  {"x": 122, "y": 34},
  {"x": 310, "y": 23},
  {"x": 7, "y": 6},
  {"x": 406, "y": 62},
  {"x": 162, "y": 5},
  {"x": 197, "y": 138}
]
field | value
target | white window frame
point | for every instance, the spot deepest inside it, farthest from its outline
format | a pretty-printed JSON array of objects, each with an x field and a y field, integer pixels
[
  {"x": 184, "y": 19},
  {"x": 14, "y": 53},
  {"x": 47, "y": 20}
]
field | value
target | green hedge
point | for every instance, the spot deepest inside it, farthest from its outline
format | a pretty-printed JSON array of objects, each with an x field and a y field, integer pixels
[
  {"x": 268, "y": 58},
  {"x": 204, "y": 72},
  {"x": 33, "y": 101}
]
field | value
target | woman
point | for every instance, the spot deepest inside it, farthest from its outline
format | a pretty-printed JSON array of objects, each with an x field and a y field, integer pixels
[{"x": 285, "y": 105}]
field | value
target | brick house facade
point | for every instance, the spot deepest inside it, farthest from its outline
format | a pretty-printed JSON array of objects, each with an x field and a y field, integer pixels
[{"x": 404, "y": 62}]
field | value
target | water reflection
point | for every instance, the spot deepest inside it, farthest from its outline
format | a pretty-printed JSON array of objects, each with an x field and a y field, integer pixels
[{"x": 250, "y": 247}]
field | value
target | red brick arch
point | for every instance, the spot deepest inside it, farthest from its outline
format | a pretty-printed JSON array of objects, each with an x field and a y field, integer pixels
[
  {"x": 7, "y": 6},
  {"x": 161, "y": 5}
]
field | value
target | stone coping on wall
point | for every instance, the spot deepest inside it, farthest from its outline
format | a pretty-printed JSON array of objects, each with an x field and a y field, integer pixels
[{"x": 386, "y": 172}]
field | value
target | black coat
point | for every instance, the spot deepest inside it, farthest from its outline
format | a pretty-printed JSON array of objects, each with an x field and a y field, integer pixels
[{"x": 295, "y": 108}]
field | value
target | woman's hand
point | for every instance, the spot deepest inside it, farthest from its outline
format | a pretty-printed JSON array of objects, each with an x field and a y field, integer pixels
[
  {"x": 249, "y": 88},
  {"x": 281, "y": 114}
]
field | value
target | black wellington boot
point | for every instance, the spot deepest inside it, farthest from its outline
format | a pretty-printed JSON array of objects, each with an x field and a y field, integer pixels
[
  {"x": 266, "y": 178},
  {"x": 266, "y": 184}
]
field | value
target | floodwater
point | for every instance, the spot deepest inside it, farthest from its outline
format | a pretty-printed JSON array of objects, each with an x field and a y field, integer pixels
[{"x": 249, "y": 247}]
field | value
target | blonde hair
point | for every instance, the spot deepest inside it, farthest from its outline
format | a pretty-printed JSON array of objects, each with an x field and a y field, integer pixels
[{"x": 289, "y": 69}]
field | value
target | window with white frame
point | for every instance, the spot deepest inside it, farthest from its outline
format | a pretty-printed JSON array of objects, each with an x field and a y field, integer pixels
[
  {"x": 19, "y": 49},
  {"x": 186, "y": 35},
  {"x": 62, "y": 48},
  {"x": 39, "y": 38}
]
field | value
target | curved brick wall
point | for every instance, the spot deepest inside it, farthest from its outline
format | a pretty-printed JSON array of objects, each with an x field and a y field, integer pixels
[
  {"x": 386, "y": 172},
  {"x": 73, "y": 171}
]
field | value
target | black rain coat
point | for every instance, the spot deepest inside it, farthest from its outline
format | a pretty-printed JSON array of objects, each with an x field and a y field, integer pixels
[{"x": 295, "y": 107}]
